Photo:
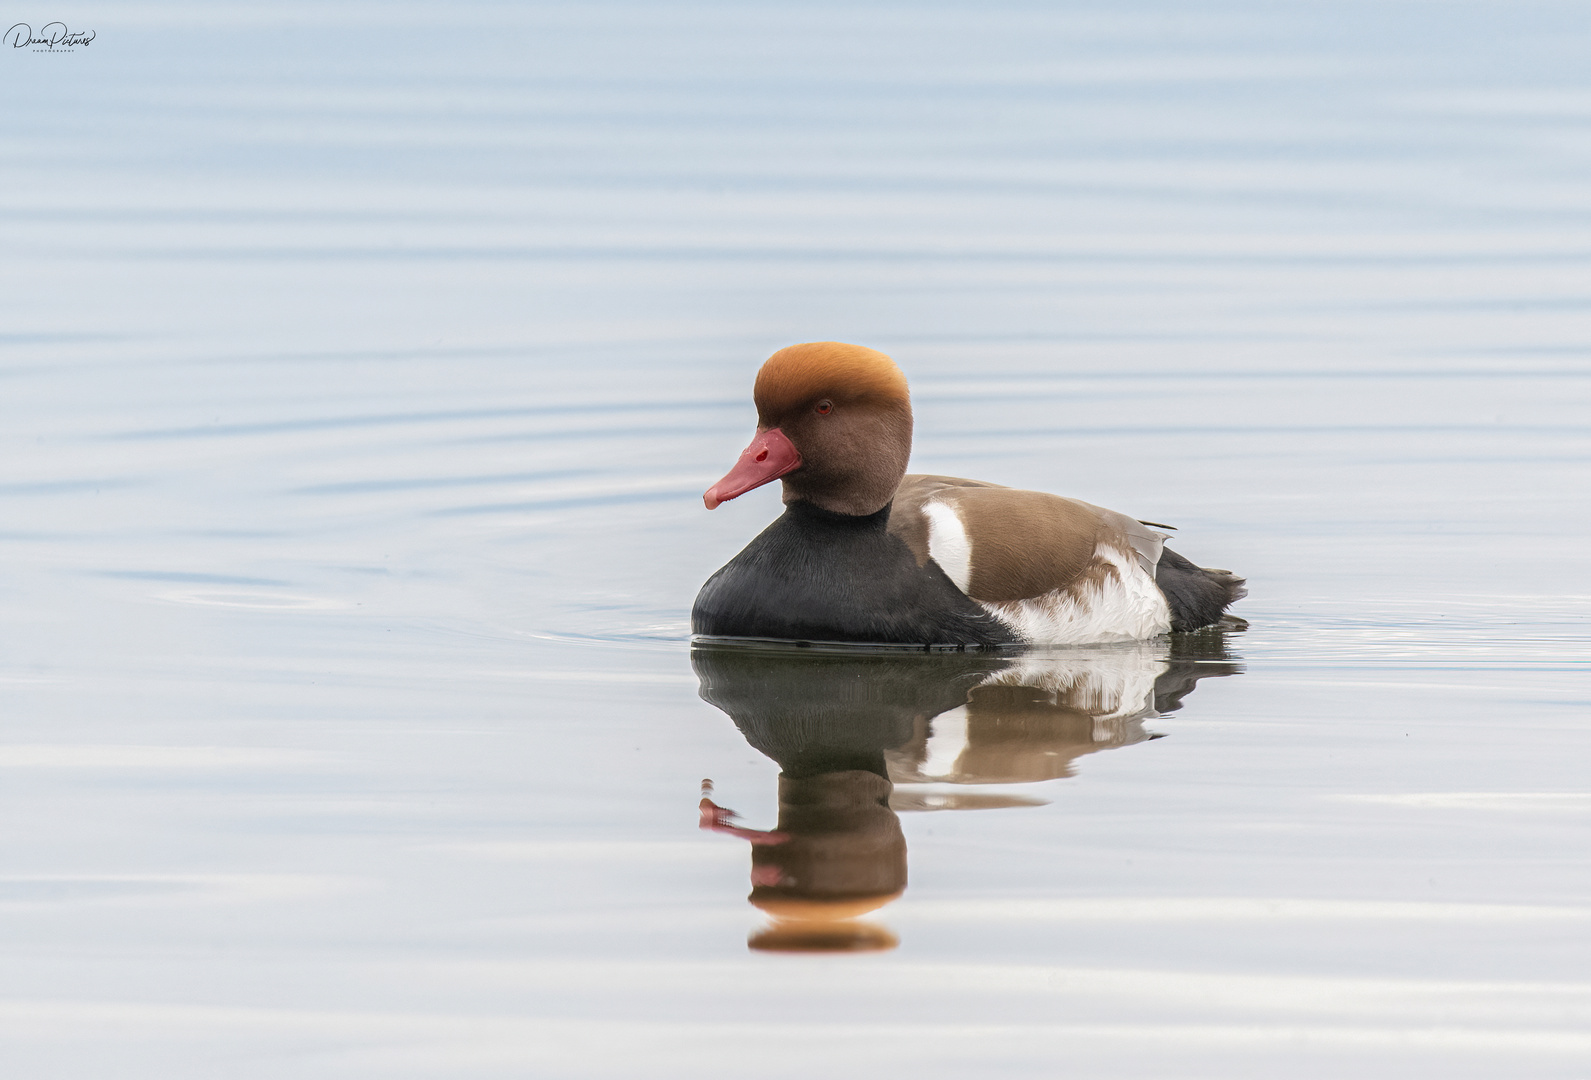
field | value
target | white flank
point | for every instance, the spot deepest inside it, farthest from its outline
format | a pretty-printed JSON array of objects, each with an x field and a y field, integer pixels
[
  {"x": 1124, "y": 606},
  {"x": 948, "y": 544}
]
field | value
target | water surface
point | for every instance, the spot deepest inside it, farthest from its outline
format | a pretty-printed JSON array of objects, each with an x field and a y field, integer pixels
[{"x": 360, "y": 372}]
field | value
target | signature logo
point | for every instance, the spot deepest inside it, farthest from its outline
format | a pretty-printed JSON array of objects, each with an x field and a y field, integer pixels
[{"x": 51, "y": 37}]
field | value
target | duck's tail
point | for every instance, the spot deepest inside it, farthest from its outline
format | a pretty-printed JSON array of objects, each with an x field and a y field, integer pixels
[{"x": 1197, "y": 596}]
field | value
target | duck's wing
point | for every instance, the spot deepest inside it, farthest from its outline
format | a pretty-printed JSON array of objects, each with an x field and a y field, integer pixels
[{"x": 1001, "y": 544}]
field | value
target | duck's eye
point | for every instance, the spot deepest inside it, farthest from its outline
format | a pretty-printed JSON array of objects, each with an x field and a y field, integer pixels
[{"x": 825, "y": 406}]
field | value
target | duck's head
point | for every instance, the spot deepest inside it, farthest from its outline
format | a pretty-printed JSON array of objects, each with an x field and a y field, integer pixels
[{"x": 834, "y": 422}]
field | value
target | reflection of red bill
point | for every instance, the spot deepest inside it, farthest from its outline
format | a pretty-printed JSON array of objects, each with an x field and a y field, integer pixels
[
  {"x": 770, "y": 456},
  {"x": 716, "y": 818}
]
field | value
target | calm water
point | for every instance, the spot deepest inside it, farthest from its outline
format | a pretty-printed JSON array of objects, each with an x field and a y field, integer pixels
[{"x": 360, "y": 371}]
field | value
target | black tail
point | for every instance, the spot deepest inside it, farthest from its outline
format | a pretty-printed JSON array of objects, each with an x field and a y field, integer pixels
[{"x": 1197, "y": 596}]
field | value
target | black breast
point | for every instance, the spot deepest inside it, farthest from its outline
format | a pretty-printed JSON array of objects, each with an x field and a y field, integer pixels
[{"x": 817, "y": 576}]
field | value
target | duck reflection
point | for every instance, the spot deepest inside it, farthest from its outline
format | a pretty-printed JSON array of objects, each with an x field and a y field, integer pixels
[{"x": 860, "y": 737}]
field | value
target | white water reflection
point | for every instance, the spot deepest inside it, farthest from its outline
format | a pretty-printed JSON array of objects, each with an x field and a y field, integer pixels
[{"x": 360, "y": 372}]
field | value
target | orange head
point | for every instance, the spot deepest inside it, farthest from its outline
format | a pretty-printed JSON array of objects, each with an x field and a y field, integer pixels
[{"x": 834, "y": 422}]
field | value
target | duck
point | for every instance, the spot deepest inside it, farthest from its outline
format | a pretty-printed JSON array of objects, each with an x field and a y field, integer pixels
[{"x": 866, "y": 553}]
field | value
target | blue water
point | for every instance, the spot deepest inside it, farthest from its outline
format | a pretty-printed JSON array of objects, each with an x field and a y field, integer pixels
[{"x": 361, "y": 368}]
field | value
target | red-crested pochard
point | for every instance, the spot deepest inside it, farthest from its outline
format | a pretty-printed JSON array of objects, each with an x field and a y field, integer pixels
[{"x": 866, "y": 553}]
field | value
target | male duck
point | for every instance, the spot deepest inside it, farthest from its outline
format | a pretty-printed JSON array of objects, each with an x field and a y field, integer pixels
[{"x": 865, "y": 553}]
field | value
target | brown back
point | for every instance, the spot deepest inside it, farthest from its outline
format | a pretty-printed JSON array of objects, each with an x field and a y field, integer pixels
[{"x": 1024, "y": 543}]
